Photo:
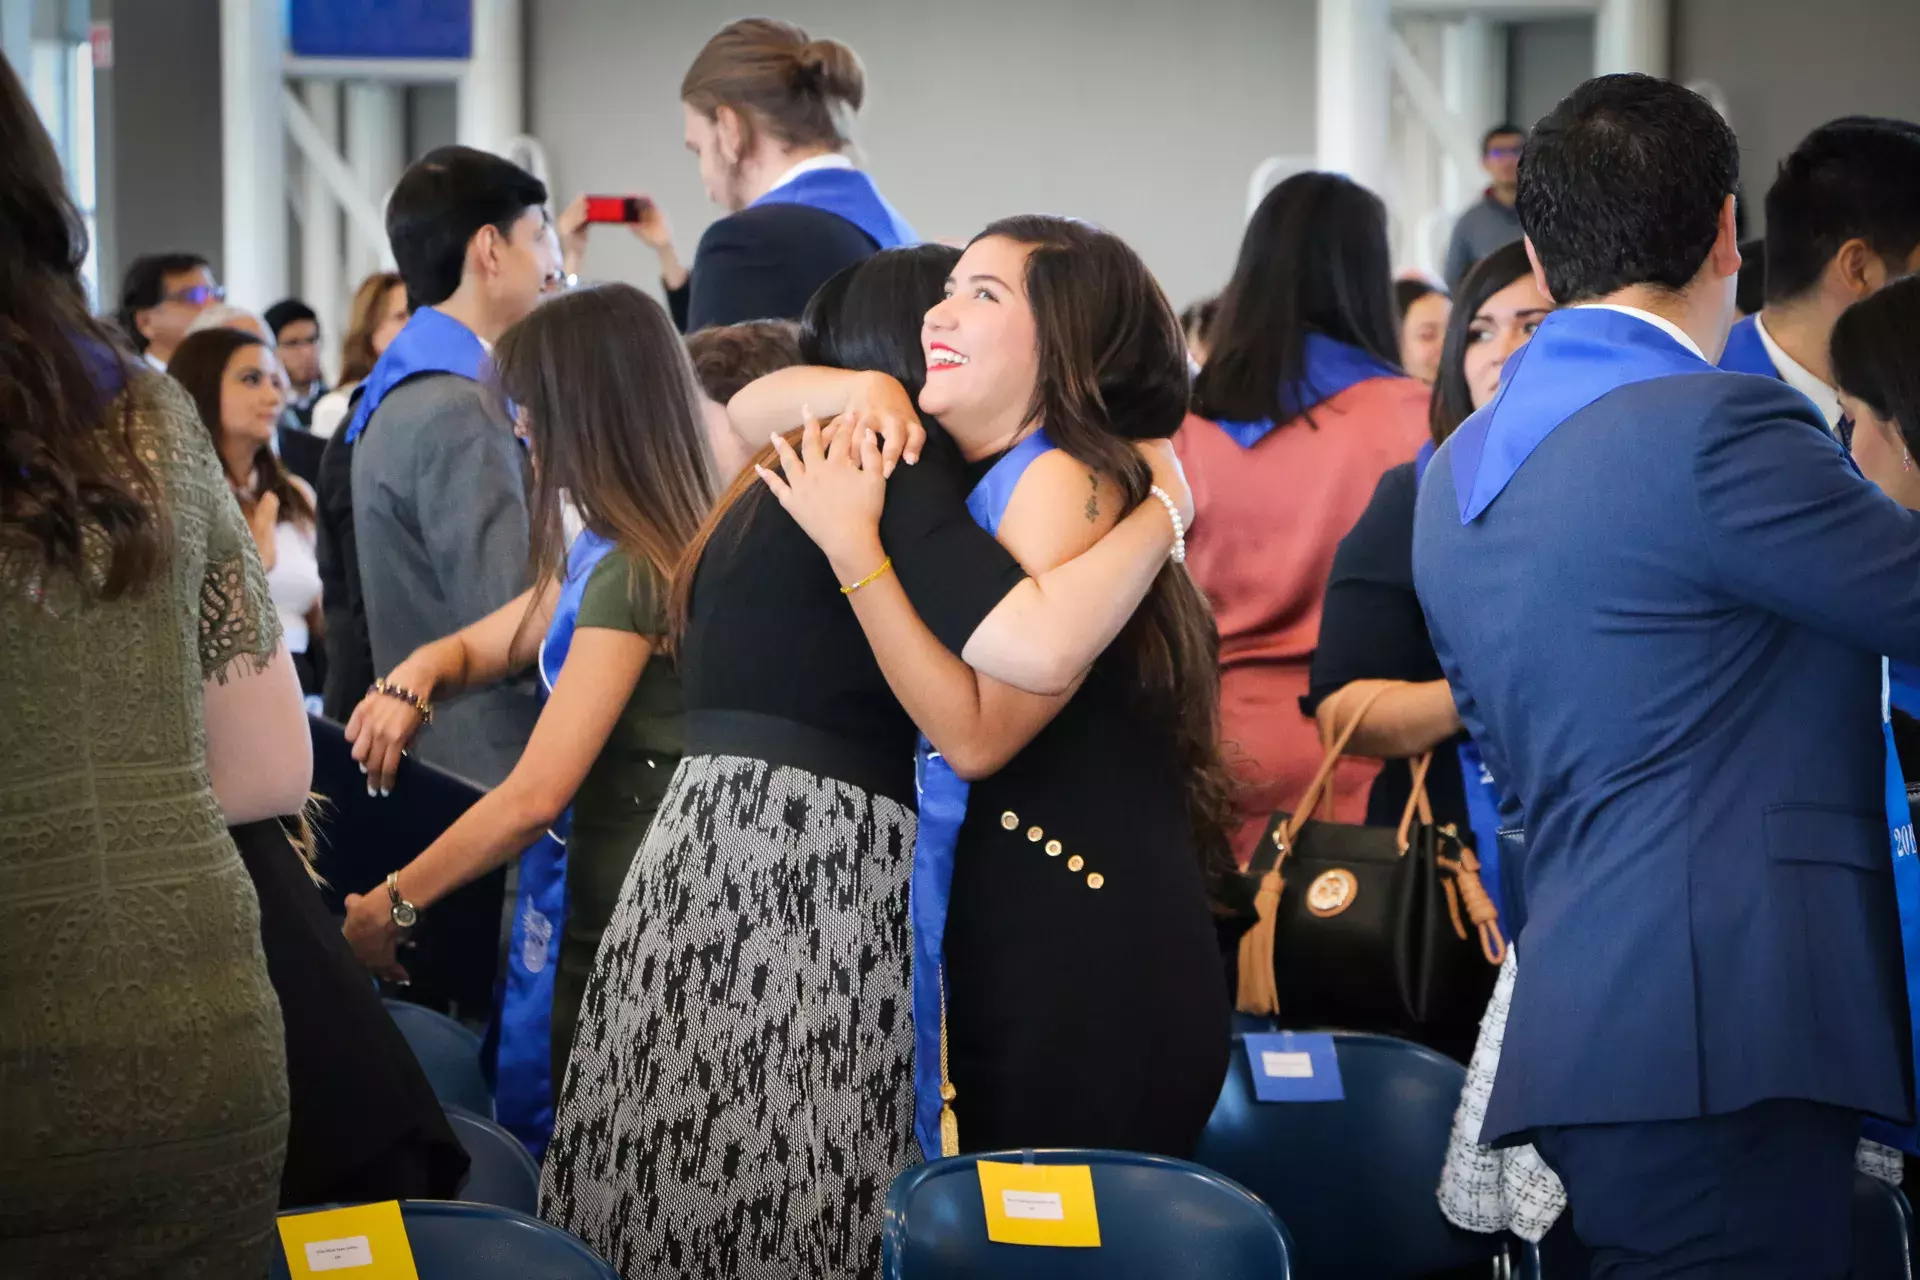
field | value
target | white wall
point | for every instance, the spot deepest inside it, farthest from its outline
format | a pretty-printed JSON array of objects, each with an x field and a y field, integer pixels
[
  {"x": 1788, "y": 67},
  {"x": 1144, "y": 117}
]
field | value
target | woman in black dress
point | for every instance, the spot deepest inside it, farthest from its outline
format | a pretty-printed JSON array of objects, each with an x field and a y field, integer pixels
[
  {"x": 1084, "y": 998},
  {"x": 1371, "y": 628},
  {"x": 740, "y": 1092}
]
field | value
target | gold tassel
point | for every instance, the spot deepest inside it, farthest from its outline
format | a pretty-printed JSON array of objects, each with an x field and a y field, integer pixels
[
  {"x": 1258, "y": 994},
  {"x": 949, "y": 1122}
]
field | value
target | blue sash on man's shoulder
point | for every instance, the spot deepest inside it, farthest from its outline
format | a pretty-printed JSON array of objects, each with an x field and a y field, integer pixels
[
  {"x": 431, "y": 342},
  {"x": 850, "y": 194},
  {"x": 1577, "y": 355},
  {"x": 1746, "y": 351},
  {"x": 943, "y": 807}
]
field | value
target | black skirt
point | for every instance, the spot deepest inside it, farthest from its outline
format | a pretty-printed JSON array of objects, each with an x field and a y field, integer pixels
[
  {"x": 364, "y": 1123},
  {"x": 1085, "y": 1000}
]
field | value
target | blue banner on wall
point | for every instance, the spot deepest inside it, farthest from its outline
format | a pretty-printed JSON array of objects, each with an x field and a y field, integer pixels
[{"x": 380, "y": 28}]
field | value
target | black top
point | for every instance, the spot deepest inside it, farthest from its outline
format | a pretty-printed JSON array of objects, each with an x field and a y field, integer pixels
[
  {"x": 1371, "y": 628},
  {"x": 769, "y": 633},
  {"x": 763, "y": 263},
  {"x": 349, "y": 651},
  {"x": 1085, "y": 999}
]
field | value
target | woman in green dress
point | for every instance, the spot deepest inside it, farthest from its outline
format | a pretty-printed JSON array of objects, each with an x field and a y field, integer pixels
[
  {"x": 610, "y": 409},
  {"x": 146, "y": 702}
]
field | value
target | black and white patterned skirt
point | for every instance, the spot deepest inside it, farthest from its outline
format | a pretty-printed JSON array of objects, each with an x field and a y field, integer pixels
[{"x": 741, "y": 1087}]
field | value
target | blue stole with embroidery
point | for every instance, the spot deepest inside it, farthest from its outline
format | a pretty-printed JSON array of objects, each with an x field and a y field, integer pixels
[
  {"x": 1745, "y": 352},
  {"x": 850, "y": 194},
  {"x": 1906, "y": 889},
  {"x": 1476, "y": 780},
  {"x": 943, "y": 807},
  {"x": 524, "y": 1088},
  {"x": 432, "y": 342},
  {"x": 1332, "y": 367}
]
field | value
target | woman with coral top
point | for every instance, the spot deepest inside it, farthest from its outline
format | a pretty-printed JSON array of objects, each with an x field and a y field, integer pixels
[{"x": 1300, "y": 409}]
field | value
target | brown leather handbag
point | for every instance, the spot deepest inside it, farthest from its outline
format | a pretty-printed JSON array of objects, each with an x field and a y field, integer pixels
[{"x": 1369, "y": 928}]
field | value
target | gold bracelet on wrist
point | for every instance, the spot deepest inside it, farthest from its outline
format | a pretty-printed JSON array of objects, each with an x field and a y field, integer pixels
[
  {"x": 408, "y": 696},
  {"x": 884, "y": 566}
]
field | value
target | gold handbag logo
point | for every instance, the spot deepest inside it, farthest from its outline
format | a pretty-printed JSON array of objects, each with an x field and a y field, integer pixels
[{"x": 1332, "y": 892}]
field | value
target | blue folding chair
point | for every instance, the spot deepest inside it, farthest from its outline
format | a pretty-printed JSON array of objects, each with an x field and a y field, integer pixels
[
  {"x": 1882, "y": 1231},
  {"x": 454, "y": 1241},
  {"x": 448, "y": 1053},
  {"x": 502, "y": 1173},
  {"x": 1158, "y": 1217},
  {"x": 1354, "y": 1180}
]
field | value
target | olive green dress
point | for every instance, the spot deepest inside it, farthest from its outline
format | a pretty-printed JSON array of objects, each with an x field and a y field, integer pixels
[
  {"x": 143, "y": 1084},
  {"x": 616, "y": 803}
]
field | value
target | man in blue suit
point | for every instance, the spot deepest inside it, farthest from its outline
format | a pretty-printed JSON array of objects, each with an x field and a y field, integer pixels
[
  {"x": 1660, "y": 593},
  {"x": 1843, "y": 219}
]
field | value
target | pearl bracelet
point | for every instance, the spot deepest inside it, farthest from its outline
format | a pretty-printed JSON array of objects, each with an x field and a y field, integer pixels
[{"x": 1179, "y": 524}]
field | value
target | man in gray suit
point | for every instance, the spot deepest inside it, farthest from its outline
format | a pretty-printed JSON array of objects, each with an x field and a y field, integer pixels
[{"x": 439, "y": 480}]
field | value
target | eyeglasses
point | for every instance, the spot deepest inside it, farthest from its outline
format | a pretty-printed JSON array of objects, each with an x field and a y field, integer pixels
[
  {"x": 1503, "y": 153},
  {"x": 199, "y": 295}
]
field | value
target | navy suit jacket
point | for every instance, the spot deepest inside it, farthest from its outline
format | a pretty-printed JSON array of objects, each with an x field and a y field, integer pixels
[{"x": 1665, "y": 634}]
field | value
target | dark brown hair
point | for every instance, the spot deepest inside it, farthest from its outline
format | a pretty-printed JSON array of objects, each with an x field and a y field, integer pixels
[
  {"x": 726, "y": 357},
  {"x": 1113, "y": 369},
  {"x": 615, "y": 423},
  {"x": 1452, "y": 401},
  {"x": 200, "y": 365},
  {"x": 774, "y": 76},
  {"x": 69, "y": 467},
  {"x": 368, "y": 309},
  {"x": 1873, "y": 355},
  {"x": 867, "y": 316},
  {"x": 1314, "y": 259}
]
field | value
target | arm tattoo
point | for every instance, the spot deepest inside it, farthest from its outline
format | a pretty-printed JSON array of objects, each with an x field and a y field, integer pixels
[{"x": 1093, "y": 498}]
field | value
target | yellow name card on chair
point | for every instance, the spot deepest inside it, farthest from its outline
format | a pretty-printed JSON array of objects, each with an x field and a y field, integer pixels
[
  {"x": 360, "y": 1242},
  {"x": 1040, "y": 1204}
]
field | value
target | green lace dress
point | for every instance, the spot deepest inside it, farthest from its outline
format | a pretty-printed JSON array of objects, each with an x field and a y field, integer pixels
[{"x": 143, "y": 1089}]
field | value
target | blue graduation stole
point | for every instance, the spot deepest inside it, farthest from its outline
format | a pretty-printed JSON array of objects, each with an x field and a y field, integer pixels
[
  {"x": 943, "y": 807},
  {"x": 1332, "y": 367},
  {"x": 1577, "y": 355},
  {"x": 850, "y": 194},
  {"x": 432, "y": 342},
  {"x": 524, "y": 1087},
  {"x": 1906, "y": 888},
  {"x": 1745, "y": 352},
  {"x": 1476, "y": 780}
]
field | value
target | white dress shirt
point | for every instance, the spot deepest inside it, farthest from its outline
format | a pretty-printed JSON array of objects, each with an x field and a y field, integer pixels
[{"x": 1795, "y": 375}]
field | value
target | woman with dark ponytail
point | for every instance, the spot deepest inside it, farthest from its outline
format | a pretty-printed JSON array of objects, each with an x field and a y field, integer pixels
[{"x": 768, "y": 114}]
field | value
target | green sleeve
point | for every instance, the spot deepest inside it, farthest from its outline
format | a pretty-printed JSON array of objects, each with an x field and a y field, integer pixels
[{"x": 622, "y": 600}]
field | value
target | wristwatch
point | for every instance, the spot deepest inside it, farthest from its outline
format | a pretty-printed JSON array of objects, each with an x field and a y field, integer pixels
[{"x": 405, "y": 914}]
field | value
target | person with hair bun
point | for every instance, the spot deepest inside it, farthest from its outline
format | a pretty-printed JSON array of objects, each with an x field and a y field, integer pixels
[{"x": 767, "y": 113}]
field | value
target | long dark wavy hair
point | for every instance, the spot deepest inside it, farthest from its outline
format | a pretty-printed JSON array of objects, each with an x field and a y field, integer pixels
[
  {"x": 200, "y": 365},
  {"x": 866, "y": 316},
  {"x": 1314, "y": 259},
  {"x": 614, "y": 417},
  {"x": 1452, "y": 400},
  {"x": 1112, "y": 368},
  {"x": 69, "y": 467}
]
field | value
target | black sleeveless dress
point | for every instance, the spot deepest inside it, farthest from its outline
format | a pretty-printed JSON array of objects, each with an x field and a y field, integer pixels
[{"x": 1085, "y": 1000}]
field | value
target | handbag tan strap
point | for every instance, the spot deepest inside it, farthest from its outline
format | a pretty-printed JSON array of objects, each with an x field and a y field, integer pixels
[
  {"x": 1257, "y": 993},
  {"x": 1463, "y": 886}
]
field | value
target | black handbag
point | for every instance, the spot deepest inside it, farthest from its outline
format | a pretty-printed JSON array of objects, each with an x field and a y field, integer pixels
[{"x": 1369, "y": 928}]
